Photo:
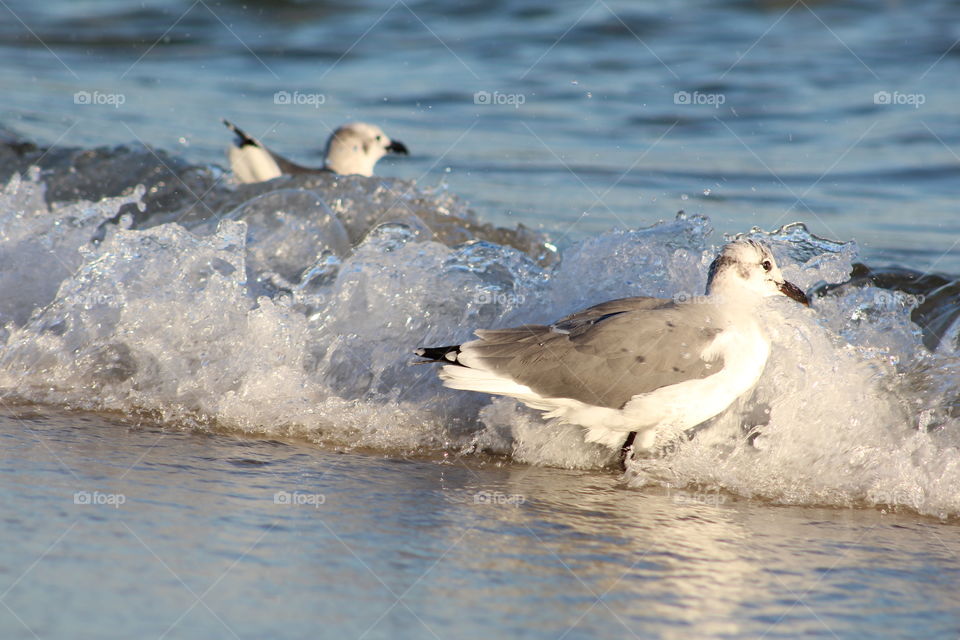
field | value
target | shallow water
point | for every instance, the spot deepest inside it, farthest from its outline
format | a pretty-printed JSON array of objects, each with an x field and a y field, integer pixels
[
  {"x": 189, "y": 353},
  {"x": 189, "y": 540}
]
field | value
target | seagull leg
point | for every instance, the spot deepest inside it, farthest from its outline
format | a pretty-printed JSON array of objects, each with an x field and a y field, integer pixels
[{"x": 626, "y": 449}]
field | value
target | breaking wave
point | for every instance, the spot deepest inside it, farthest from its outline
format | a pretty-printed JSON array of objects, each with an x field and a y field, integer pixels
[{"x": 291, "y": 309}]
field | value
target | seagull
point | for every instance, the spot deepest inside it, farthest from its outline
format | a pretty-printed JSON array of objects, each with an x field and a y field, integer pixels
[
  {"x": 353, "y": 149},
  {"x": 647, "y": 366}
]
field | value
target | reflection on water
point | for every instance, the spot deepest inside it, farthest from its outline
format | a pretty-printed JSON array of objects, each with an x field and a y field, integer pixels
[{"x": 139, "y": 532}]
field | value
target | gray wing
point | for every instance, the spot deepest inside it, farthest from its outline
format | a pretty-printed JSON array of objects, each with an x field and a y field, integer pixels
[
  {"x": 606, "y": 354},
  {"x": 292, "y": 168}
]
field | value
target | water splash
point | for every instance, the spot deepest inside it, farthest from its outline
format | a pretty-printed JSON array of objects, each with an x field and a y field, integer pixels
[{"x": 274, "y": 320}]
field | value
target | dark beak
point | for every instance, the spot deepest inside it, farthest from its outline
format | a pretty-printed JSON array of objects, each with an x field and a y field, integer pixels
[
  {"x": 397, "y": 147},
  {"x": 793, "y": 291}
]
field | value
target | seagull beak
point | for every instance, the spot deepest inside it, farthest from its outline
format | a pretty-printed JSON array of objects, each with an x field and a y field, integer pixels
[
  {"x": 794, "y": 292},
  {"x": 396, "y": 146}
]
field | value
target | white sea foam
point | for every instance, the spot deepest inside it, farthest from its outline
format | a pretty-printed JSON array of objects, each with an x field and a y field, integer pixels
[{"x": 269, "y": 322}]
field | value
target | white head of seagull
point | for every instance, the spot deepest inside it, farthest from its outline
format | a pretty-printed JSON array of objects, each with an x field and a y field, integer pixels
[
  {"x": 746, "y": 270},
  {"x": 636, "y": 366},
  {"x": 355, "y": 148}
]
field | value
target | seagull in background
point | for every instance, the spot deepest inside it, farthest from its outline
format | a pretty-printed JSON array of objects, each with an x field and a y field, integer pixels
[
  {"x": 353, "y": 149},
  {"x": 635, "y": 366}
]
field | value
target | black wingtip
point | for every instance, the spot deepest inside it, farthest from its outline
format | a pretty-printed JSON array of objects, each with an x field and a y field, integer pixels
[
  {"x": 446, "y": 355},
  {"x": 242, "y": 138}
]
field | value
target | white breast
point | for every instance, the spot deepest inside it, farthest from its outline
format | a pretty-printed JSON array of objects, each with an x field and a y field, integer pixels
[{"x": 684, "y": 405}]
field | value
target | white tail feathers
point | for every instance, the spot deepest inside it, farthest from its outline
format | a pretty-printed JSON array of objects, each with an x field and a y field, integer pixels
[
  {"x": 252, "y": 163},
  {"x": 467, "y": 379}
]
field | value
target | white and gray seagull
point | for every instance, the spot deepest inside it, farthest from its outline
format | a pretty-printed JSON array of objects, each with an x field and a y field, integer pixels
[
  {"x": 636, "y": 365},
  {"x": 353, "y": 149}
]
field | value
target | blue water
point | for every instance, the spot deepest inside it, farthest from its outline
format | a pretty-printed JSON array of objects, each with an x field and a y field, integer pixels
[
  {"x": 599, "y": 140},
  {"x": 163, "y": 395}
]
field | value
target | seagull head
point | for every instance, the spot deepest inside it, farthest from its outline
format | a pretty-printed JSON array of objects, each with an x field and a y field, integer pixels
[
  {"x": 354, "y": 148},
  {"x": 746, "y": 268}
]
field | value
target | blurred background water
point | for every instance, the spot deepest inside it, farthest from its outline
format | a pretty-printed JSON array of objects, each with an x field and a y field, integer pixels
[
  {"x": 600, "y": 114},
  {"x": 572, "y": 117}
]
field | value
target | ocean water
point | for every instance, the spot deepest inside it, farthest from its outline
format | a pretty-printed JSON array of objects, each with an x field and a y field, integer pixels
[
  {"x": 212, "y": 425},
  {"x": 374, "y": 546}
]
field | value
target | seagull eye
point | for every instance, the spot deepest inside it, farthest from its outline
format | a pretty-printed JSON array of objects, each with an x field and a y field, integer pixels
[
  {"x": 379, "y": 138},
  {"x": 767, "y": 265}
]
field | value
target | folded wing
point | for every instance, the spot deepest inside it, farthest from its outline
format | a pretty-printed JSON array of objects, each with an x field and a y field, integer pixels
[{"x": 604, "y": 355}]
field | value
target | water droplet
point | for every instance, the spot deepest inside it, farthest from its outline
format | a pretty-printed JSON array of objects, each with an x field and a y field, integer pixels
[{"x": 391, "y": 236}]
